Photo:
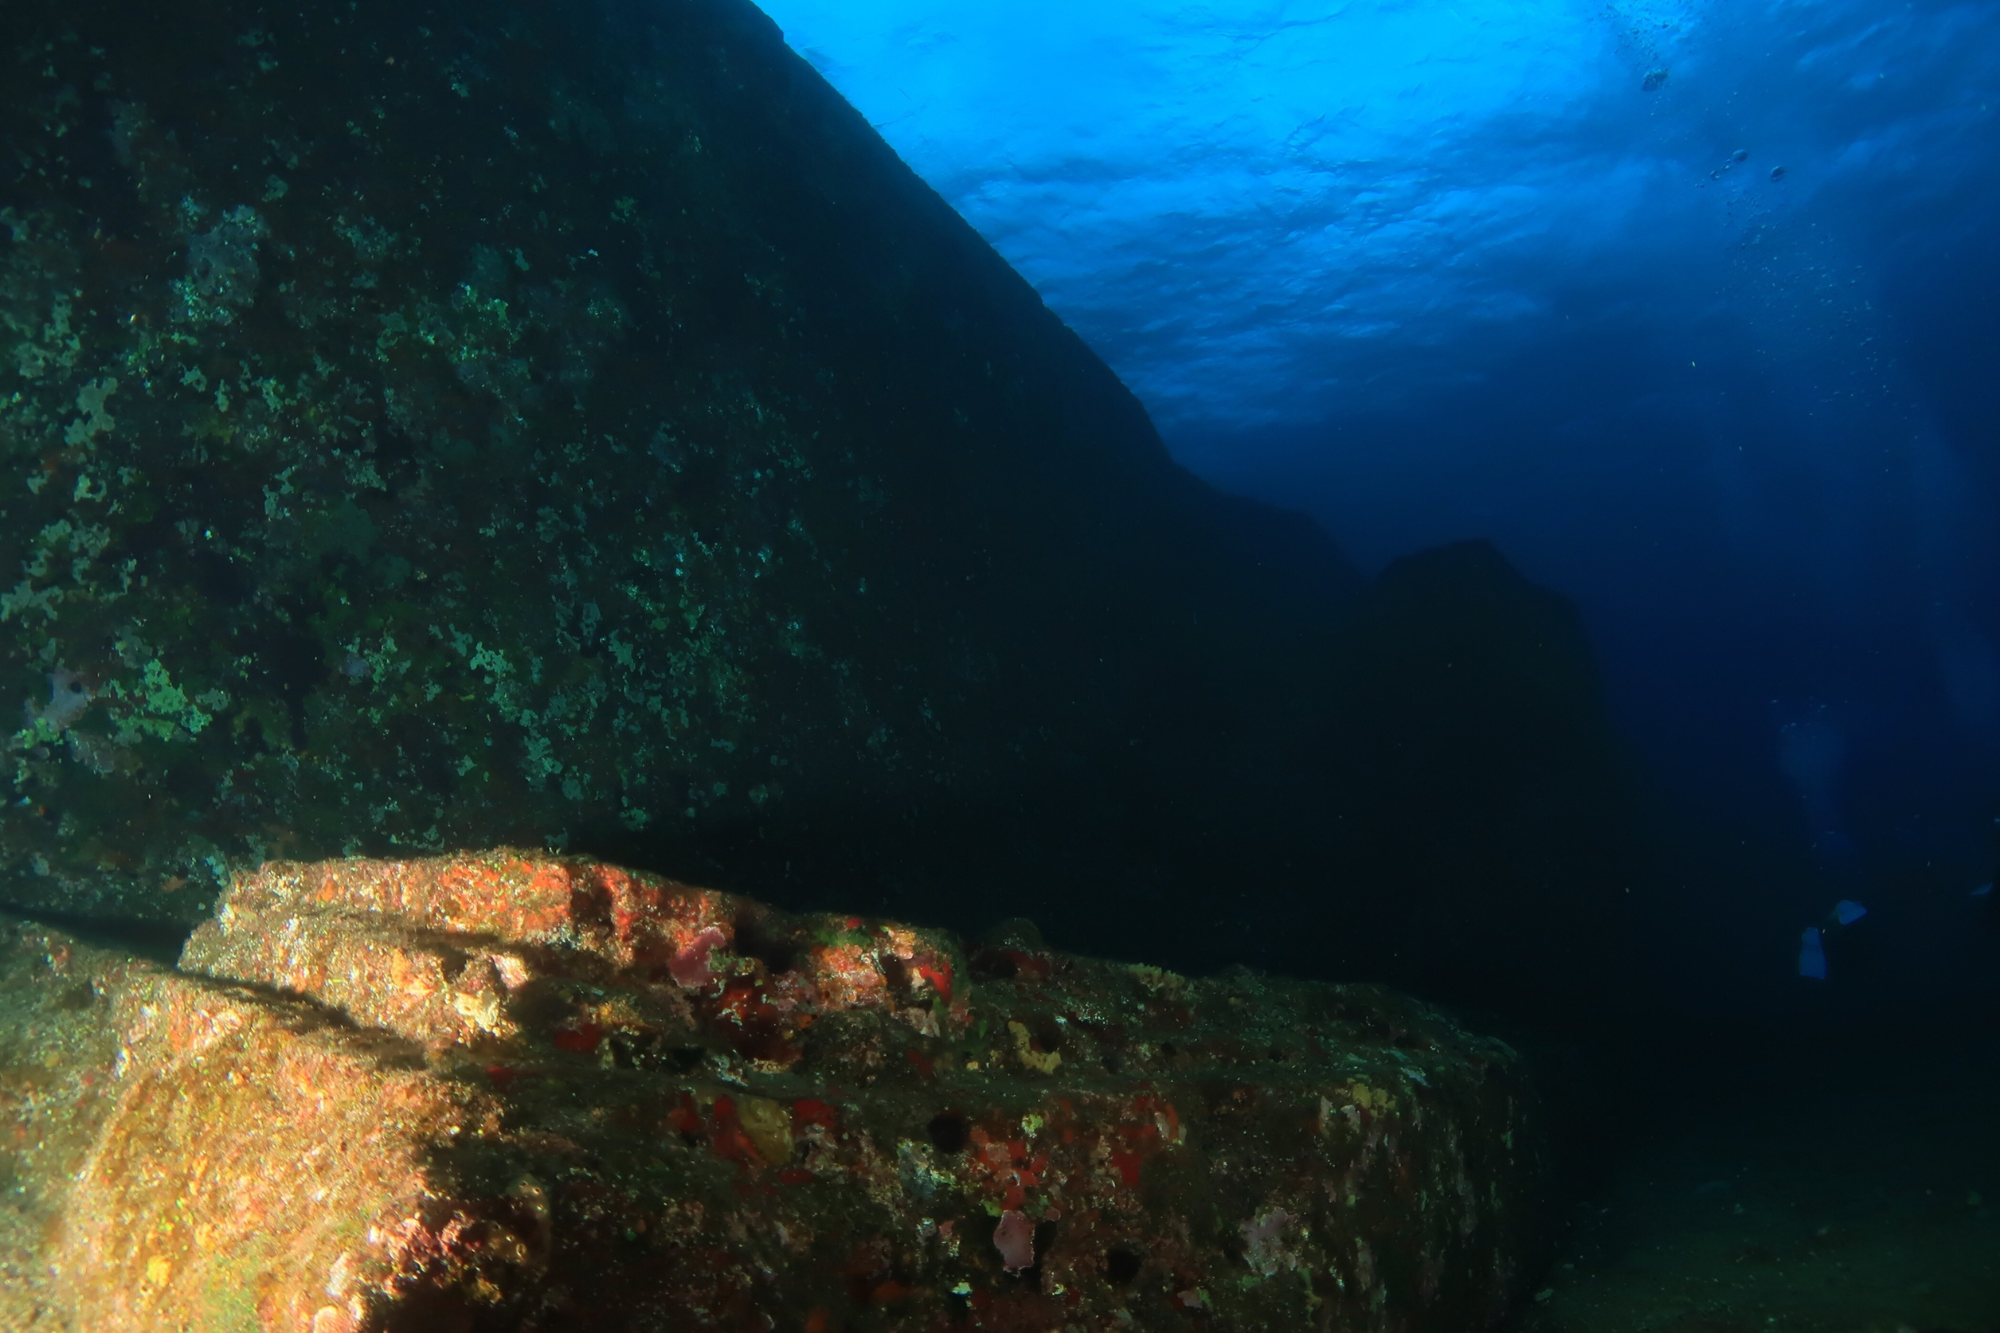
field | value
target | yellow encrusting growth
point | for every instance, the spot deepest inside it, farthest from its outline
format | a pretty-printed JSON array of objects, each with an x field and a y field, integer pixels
[{"x": 1044, "y": 1062}]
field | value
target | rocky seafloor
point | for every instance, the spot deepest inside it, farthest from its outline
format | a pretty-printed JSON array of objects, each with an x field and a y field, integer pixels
[{"x": 513, "y": 1091}]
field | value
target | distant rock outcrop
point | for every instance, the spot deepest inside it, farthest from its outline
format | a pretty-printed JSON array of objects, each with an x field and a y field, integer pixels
[
  {"x": 509, "y": 1091},
  {"x": 1489, "y": 801}
]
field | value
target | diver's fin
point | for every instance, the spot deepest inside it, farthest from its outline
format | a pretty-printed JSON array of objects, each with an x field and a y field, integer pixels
[{"x": 1812, "y": 955}]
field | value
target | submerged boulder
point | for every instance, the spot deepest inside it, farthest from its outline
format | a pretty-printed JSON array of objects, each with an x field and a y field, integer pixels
[{"x": 510, "y": 1091}]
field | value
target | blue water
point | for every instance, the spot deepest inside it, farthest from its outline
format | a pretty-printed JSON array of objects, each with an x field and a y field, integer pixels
[{"x": 1693, "y": 308}]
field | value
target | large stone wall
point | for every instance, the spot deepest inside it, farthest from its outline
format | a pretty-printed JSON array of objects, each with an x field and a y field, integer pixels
[{"x": 429, "y": 424}]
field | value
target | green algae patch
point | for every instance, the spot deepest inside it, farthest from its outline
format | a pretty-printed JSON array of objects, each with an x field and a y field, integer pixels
[{"x": 340, "y": 533}]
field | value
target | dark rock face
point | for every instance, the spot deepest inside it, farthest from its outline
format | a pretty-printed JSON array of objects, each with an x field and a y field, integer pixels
[
  {"x": 1492, "y": 804},
  {"x": 432, "y": 424},
  {"x": 514, "y": 1092}
]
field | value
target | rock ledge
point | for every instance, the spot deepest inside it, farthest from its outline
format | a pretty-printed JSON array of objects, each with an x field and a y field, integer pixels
[{"x": 514, "y": 1091}]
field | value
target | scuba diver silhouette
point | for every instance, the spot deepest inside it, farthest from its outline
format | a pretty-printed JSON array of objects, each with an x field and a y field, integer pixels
[{"x": 1989, "y": 893}]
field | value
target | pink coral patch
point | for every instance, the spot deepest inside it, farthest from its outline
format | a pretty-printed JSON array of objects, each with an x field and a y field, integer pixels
[
  {"x": 1015, "y": 1239},
  {"x": 690, "y": 966}
]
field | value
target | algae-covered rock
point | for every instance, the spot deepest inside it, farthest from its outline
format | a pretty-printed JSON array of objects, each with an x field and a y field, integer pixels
[
  {"x": 431, "y": 424},
  {"x": 181, "y": 1154},
  {"x": 514, "y": 1092}
]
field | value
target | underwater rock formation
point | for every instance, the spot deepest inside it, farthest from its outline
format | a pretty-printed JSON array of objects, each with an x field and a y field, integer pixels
[
  {"x": 1489, "y": 799},
  {"x": 510, "y": 1091},
  {"x": 428, "y": 425},
  {"x": 446, "y": 424}
]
